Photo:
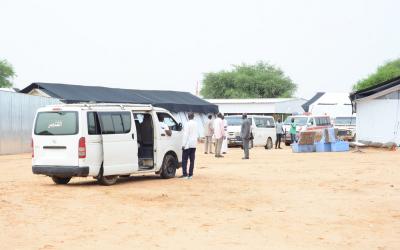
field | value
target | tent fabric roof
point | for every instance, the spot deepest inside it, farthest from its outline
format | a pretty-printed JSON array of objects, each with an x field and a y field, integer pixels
[
  {"x": 174, "y": 101},
  {"x": 375, "y": 89},
  {"x": 306, "y": 106}
]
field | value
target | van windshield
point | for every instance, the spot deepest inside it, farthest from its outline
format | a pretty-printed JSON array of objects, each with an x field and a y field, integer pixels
[
  {"x": 57, "y": 123},
  {"x": 301, "y": 121},
  {"x": 234, "y": 120}
]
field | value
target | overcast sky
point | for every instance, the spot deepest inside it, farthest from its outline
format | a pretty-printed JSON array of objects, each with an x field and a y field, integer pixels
[{"x": 321, "y": 45}]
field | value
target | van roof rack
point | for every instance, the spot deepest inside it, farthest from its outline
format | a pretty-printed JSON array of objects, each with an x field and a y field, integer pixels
[{"x": 94, "y": 104}]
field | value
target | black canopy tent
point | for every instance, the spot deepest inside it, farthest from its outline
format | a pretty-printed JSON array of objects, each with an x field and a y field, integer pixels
[{"x": 174, "y": 101}]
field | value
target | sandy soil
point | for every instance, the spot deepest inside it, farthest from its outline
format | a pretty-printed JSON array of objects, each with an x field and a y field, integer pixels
[{"x": 276, "y": 200}]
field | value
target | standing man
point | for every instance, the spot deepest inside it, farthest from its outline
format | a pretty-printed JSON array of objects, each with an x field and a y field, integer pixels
[
  {"x": 219, "y": 134},
  {"x": 224, "y": 148},
  {"x": 279, "y": 133},
  {"x": 189, "y": 142},
  {"x": 245, "y": 133},
  {"x": 208, "y": 133},
  {"x": 293, "y": 126}
]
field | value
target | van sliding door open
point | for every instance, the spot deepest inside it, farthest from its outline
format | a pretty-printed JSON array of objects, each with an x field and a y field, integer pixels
[{"x": 120, "y": 151}]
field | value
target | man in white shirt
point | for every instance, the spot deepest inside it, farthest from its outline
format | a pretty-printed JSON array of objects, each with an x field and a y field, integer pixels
[
  {"x": 208, "y": 133},
  {"x": 189, "y": 143},
  {"x": 224, "y": 147},
  {"x": 219, "y": 134}
]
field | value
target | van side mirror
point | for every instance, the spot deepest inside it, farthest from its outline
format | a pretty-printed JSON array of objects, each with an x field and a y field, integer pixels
[{"x": 180, "y": 126}]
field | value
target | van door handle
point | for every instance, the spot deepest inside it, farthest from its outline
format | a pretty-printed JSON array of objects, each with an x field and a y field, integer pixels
[
  {"x": 162, "y": 134},
  {"x": 133, "y": 136}
]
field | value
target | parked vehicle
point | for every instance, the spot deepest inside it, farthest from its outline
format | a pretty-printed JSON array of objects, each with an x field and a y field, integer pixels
[
  {"x": 104, "y": 141},
  {"x": 263, "y": 129},
  {"x": 346, "y": 126},
  {"x": 305, "y": 123}
]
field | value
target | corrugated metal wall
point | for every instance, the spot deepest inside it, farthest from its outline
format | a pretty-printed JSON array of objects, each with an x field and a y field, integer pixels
[{"x": 17, "y": 112}]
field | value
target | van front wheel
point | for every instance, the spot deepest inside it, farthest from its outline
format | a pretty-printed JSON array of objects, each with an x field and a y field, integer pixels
[
  {"x": 60, "y": 180},
  {"x": 107, "y": 180},
  {"x": 269, "y": 144},
  {"x": 169, "y": 167}
]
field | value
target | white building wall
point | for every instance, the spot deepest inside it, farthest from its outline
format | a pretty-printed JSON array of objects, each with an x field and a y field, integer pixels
[
  {"x": 378, "y": 120},
  {"x": 333, "y": 104},
  {"x": 332, "y": 110}
]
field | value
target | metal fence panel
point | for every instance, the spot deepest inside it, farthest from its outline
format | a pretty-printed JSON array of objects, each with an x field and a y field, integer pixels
[{"x": 17, "y": 112}]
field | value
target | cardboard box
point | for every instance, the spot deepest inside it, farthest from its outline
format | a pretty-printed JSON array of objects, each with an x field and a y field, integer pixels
[{"x": 307, "y": 138}]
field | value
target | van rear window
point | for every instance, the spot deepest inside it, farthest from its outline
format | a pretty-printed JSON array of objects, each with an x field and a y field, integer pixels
[{"x": 57, "y": 123}]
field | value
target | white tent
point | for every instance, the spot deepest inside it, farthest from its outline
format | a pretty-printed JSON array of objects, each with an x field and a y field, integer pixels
[
  {"x": 378, "y": 112},
  {"x": 333, "y": 104}
]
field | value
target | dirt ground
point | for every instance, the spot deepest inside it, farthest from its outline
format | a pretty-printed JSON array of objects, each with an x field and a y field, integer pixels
[{"x": 275, "y": 200}]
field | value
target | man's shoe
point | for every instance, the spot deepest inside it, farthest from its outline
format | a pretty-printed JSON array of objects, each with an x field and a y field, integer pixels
[
  {"x": 245, "y": 158},
  {"x": 182, "y": 176},
  {"x": 190, "y": 177},
  {"x": 205, "y": 153}
]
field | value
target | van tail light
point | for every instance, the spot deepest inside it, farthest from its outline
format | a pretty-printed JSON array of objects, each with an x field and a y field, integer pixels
[
  {"x": 82, "y": 148},
  {"x": 32, "y": 148}
]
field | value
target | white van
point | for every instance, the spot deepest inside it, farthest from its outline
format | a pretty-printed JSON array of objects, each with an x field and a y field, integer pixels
[
  {"x": 104, "y": 141},
  {"x": 263, "y": 129}
]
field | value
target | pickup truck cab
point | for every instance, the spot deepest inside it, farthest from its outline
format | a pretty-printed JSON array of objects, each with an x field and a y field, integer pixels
[
  {"x": 104, "y": 141},
  {"x": 346, "y": 126}
]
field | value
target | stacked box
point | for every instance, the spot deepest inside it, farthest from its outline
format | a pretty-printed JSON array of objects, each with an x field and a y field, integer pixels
[
  {"x": 307, "y": 138},
  {"x": 319, "y": 136},
  {"x": 322, "y": 147},
  {"x": 340, "y": 146},
  {"x": 298, "y": 148},
  {"x": 330, "y": 135}
]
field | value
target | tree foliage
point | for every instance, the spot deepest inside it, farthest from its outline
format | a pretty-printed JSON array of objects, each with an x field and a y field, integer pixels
[
  {"x": 261, "y": 80},
  {"x": 385, "y": 72},
  {"x": 6, "y": 74}
]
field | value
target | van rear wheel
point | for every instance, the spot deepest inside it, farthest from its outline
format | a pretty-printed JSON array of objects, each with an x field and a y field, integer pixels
[
  {"x": 60, "y": 180},
  {"x": 169, "y": 166}
]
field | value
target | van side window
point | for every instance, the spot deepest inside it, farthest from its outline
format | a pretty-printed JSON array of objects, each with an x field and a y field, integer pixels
[
  {"x": 270, "y": 122},
  {"x": 93, "y": 124},
  {"x": 126, "y": 122},
  {"x": 115, "y": 122},
  {"x": 171, "y": 123},
  {"x": 260, "y": 123},
  {"x": 264, "y": 122},
  {"x": 322, "y": 121}
]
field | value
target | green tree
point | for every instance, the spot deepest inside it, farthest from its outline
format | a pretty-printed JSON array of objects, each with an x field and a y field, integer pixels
[
  {"x": 6, "y": 74},
  {"x": 261, "y": 80},
  {"x": 385, "y": 72}
]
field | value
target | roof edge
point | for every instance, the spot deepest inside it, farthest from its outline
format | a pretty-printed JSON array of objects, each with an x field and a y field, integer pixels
[{"x": 374, "y": 89}]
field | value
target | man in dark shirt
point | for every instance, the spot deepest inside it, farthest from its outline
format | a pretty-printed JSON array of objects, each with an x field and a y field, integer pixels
[{"x": 245, "y": 133}]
